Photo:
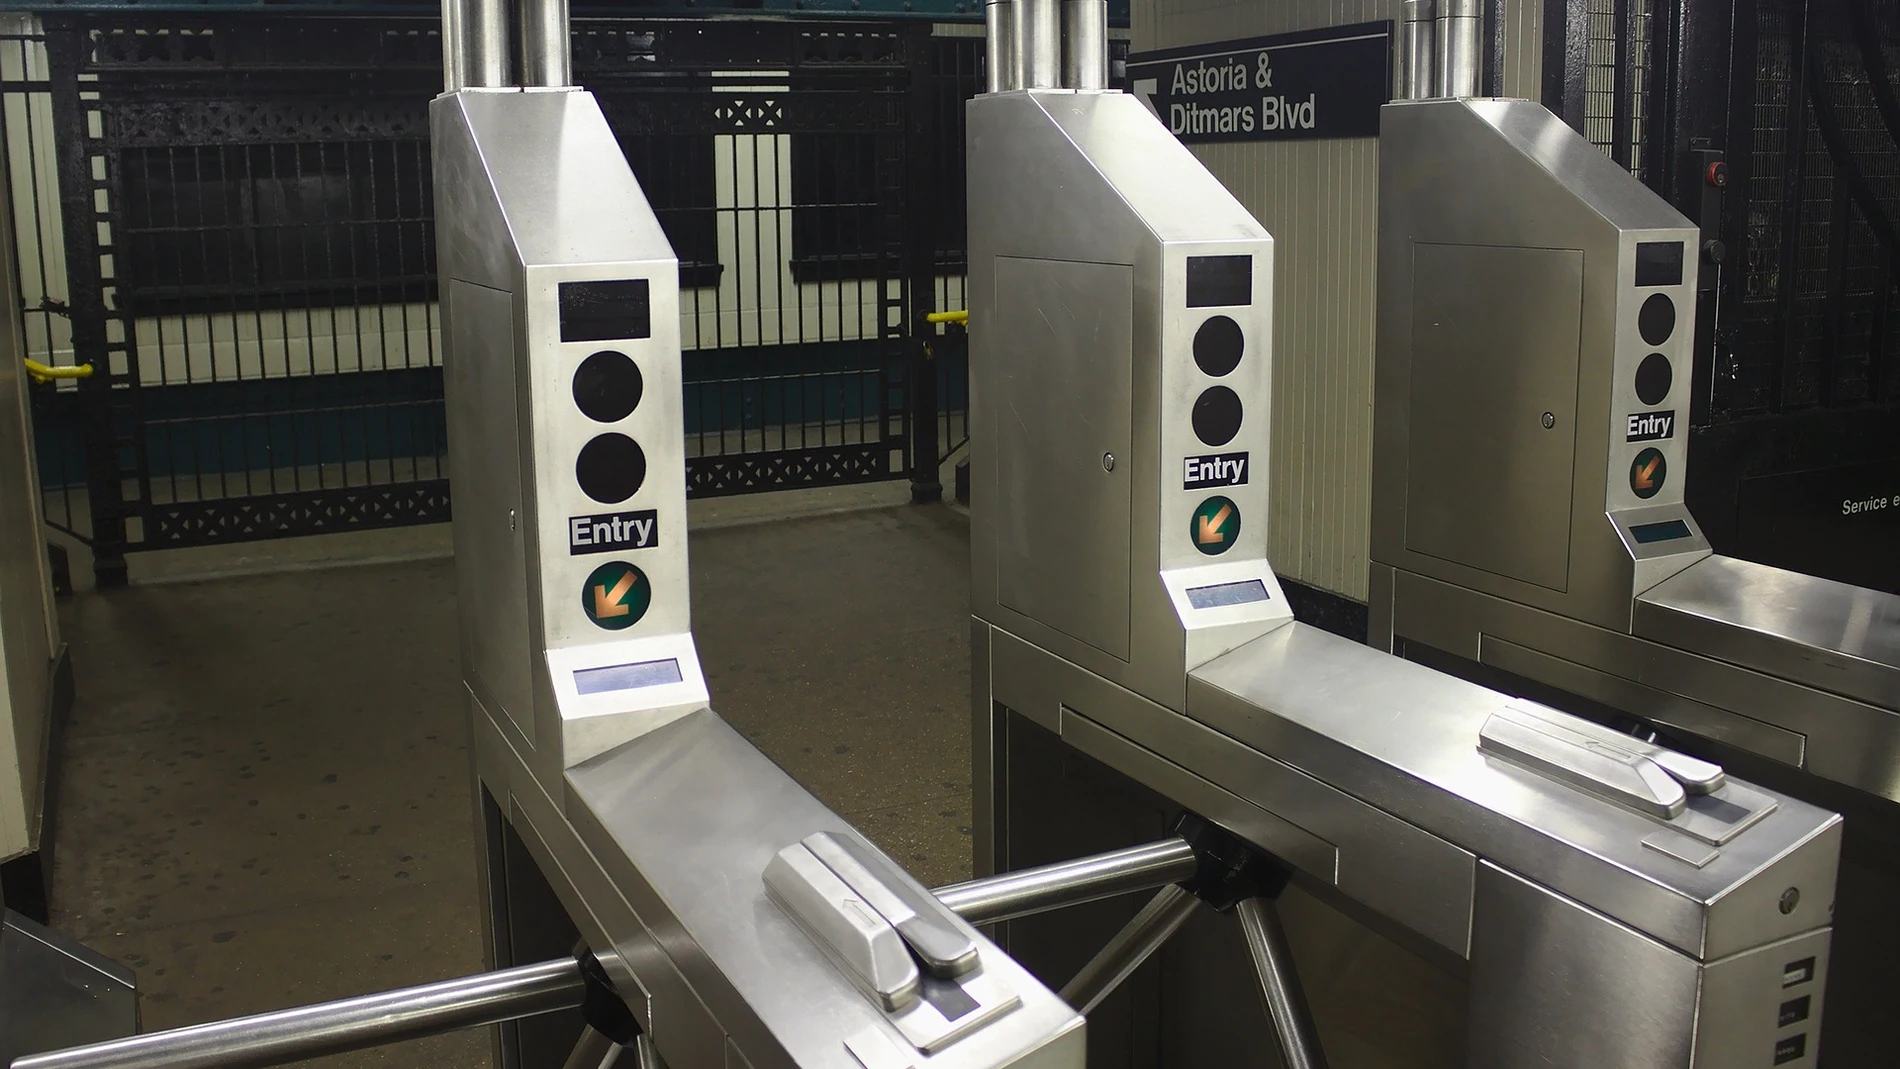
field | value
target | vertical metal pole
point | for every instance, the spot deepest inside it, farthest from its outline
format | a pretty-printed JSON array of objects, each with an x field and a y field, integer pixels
[
  {"x": 85, "y": 294},
  {"x": 1280, "y": 984},
  {"x": 1001, "y": 71},
  {"x": 922, "y": 197},
  {"x": 454, "y": 47},
  {"x": 482, "y": 48},
  {"x": 545, "y": 52},
  {"x": 1139, "y": 938},
  {"x": 1038, "y": 41},
  {"x": 1085, "y": 53},
  {"x": 1417, "y": 50},
  {"x": 1459, "y": 48}
]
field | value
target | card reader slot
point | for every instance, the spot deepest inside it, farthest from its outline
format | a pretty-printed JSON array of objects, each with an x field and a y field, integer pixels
[
  {"x": 1563, "y": 752},
  {"x": 852, "y": 932},
  {"x": 939, "y": 946}
]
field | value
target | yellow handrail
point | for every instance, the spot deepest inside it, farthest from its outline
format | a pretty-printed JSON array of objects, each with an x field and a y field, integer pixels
[
  {"x": 961, "y": 315},
  {"x": 47, "y": 372}
]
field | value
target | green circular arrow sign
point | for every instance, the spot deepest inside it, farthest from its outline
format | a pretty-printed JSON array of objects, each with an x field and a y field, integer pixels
[
  {"x": 616, "y": 595},
  {"x": 1647, "y": 473},
  {"x": 1215, "y": 525}
]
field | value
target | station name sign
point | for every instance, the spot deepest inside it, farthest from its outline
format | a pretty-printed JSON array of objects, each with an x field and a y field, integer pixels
[{"x": 1326, "y": 83}]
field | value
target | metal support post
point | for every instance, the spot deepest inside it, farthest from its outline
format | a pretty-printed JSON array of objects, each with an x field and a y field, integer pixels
[
  {"x": 1085, "y": 50},
  {"x": 545, "y": 59},
  {"x": 1140, "y": 937},
  {"x": 1280, "y": 984},
  {"x": 922, "y": 170}
]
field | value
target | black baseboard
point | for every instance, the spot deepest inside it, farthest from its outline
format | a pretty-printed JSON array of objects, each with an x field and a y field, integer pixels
[{"x": 1326, "y": 610}]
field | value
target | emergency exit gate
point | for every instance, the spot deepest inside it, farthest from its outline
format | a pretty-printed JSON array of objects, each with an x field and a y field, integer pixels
[{"x": 244, "y": 218}]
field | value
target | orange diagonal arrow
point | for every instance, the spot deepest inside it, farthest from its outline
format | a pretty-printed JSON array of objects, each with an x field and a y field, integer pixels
[
  {"x": 607, "y": 602},
  {"x": 1645, "y": 473},
  {"x": 1208, "y": 532}
]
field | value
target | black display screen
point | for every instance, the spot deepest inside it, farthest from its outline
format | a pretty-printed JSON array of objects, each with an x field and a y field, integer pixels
[
  {"x": 1645, "y": 533},
  {"x": 1219, "y": 281},
  {"x": 1659, "y": 263},
  {"x": 606, "y": 311}
]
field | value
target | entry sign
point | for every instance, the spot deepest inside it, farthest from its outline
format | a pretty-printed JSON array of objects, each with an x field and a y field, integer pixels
[
  {"x": 1647, "y": 473},
  {"x": 616, "y": 595},
  {"x": 1313, "y": 84},
  {"x": 1215, "y": 526}
]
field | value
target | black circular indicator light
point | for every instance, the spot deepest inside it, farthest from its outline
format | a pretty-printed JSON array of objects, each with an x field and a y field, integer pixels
[
  {"x": 1656, "y": 320},
  {"x": 1218, "y": 346},
  {"x": 1217, "y": 415},
  {"x": 1653, "y": 378},
  {"x": 611, "y": 468},
  {"x": 607, "y": 386}
]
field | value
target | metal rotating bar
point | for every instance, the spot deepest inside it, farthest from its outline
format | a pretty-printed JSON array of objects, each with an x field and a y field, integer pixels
[
  {"x": 593, "y": 1051},
  {"x": 1280, "y": 984},
  {"x": 1140, "y": 937},
  {"x": 371, "y": 1020},
  {"x": 1070, "y": 883},
  {"x": 334, "y": 1027}
]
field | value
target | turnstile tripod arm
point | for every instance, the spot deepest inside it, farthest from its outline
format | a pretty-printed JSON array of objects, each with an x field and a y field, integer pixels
[
  {"x": 334, "y": 1027},
  {"x": 1071, "y": 883},
  {"x": 281, "y": 1036}
]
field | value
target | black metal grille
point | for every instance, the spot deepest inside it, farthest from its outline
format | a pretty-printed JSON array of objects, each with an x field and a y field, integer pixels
[
  {"x": 246, "y": 222},
  {"x": 1615, "y": 78},
  {"x": 1814, "y": 301}
]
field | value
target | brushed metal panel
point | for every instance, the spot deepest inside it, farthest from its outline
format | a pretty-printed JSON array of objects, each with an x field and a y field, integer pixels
[
  {"x": 1669, "y": 710},
  {"x": 1494, "y": 347},
  {"x": 491, "y": 555},
  {"x": 1559, "y": 986},
  {"x": 1841, "y": 638},
  {"x": 1064, "y": 376}
]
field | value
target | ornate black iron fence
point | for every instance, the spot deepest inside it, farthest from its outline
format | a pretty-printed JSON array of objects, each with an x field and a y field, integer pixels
[{"x": 244, "y": 219}]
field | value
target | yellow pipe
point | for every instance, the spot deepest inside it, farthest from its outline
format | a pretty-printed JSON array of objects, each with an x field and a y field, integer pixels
[
  {"x": 47, "y": 372},
  {"x": 961, "y": 315}
]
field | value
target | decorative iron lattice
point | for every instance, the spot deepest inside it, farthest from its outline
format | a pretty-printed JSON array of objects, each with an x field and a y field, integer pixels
[
  {"x": 309, "y": 512},
  {"x": 823, "y": 466}
]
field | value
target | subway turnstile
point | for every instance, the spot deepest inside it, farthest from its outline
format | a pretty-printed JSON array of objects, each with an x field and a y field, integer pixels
[{"x": 1562, "y": 894}]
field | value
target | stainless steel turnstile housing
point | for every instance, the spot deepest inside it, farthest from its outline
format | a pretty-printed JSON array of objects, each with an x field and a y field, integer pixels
[
  {"x": 1606, "y": 902},
  {"x": 656, "y": 825},
  {"x": 1531, "y": 409},
  {"x": 1532, "y": 397}
]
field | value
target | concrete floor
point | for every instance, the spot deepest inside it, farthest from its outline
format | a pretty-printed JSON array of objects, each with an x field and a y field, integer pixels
[{"x": 266, "y": 796}]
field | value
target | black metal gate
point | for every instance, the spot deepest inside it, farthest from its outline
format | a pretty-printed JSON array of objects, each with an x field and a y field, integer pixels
[
  {"x": 245, "y": 218},
  {"x": 1776, "y": 125}
]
